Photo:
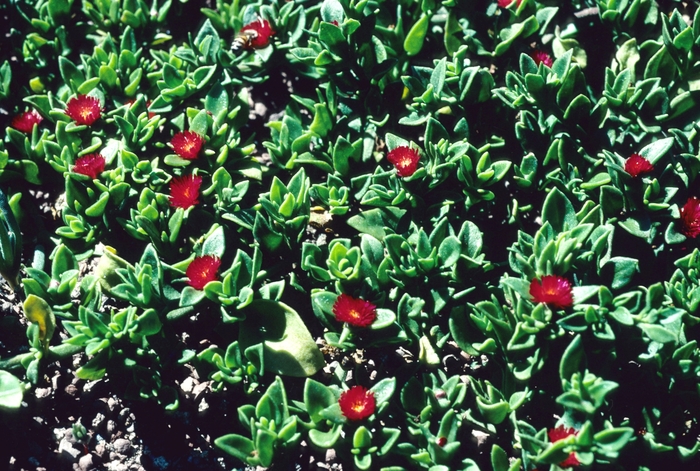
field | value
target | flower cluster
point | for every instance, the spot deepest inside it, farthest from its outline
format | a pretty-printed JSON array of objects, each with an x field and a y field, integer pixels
[
  {"x": 90, "y": 165},
  {"x": 552, "y": 290},
  {"x": 405, "y": 159},
  {"x": 354, "y": 311},
  {"x": 506, "y": 3},
  {"x": 541, "y": 57},
  {"x": 357, "y": 403},
  {"x": 690, "y": 218},
  {"x": 202, "y": 270},
  {"x": 257, "y": 34},
  {"x": 26, "y": 121},
  {"x": 560, "y": 433},
  {"x": 84, "y": 109},
  {"x": 187, "y": 144},
  {"x": 637, "y": 165},
  {"x": 184, "y": 191}
]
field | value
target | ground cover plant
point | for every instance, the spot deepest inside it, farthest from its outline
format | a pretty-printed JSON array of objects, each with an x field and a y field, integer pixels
[{"x": 387, "y": 235}]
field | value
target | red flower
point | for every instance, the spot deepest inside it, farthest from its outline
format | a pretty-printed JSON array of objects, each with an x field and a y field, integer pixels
[
  {"x": 184, "y": 191},
  {"x": 187, "y": 144},
  {"x": 84, "y": 109},
  {"x": 637, "y": 165},
  {"x": 506, "y": 3},
  {"x": 690, "y": 218},
  {"x": 541, "y": 57},
  {"x": 354, "y": 311},
  {"x": 553, "y": 290},
  {"x": 560, "y": 433},
  {"x": 257, "y": 34},
  {"x": 357, "y": 403},
  {"x": 404, "y": 159},
  {"x": 202, "y": 270},
  {"x": 25, "y": 121},
  {"x": 91, "y": 165}
]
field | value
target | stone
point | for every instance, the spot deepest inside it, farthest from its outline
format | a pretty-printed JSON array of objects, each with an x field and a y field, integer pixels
[
  {"x": 111, "y": 427},
  {"x": 101, "y": 450},
  {"x": 122, "y": 446},
  {"x": 41, "y": 393},
  {"x": 67, "y": 451},
  {"x": 85, "y": 463}
]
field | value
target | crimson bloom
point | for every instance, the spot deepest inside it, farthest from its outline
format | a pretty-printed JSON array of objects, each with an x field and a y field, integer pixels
[
  {"x": 506, "y": 3},
  {"x": 405, "y": 159},
  {"x": 25, "y": 121},
  {"x": 553, "y": 290},
  {"x": 202, "y": 270},
  {"x": 184, "y": 191},
  {"x": 257, "y": 34},
  {"x": 637, "y": 165},
  {"x": 357, "y": 403},
  {"x": 84, "y": 109},
  {"x": 690, "y": 218},
  {"x": 90, "y": 165},
  {"x": 187, "y": 144},
  {"x": 354, "y": 311},
  {"x": 560, "y": 433},
  {"x": 541, "y": 57}
]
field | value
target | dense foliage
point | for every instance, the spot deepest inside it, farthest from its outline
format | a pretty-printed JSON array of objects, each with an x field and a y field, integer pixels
[{"x": 512, "y": 185}]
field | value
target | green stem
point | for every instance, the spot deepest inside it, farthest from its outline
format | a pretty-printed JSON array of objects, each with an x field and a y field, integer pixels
[{"x": 56, "y": 352}]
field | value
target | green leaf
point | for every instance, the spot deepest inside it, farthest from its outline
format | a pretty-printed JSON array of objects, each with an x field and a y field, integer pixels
[
  {"x": 11, "y": 391},
  {"x": 39, "y": 312},
  {"x": 332, "y": 10},
  {"x": 374, "y": 221},
  {"x": 58, "y": 9},
  {"x": 571, "y": 360},
  {"x": 624, "y": 269},
  {"x": 216, "y": 100},
  {"x": 237, "y": 446},
  {"x": 289, "y": 348},
  {"x": 416, "y": 36},
  {"x": 509, "y": 34},
  {"x": 558, "y": 211},
  {"x": 70, "y": 73},
  {"x": 437, "y": 78},
  {"x": 316, "y": 398},
  {"x": 499, "y": 459},
  {"x": 215, "y": 244},
  {"x": 658, "y": 333},
  {"x": 200, "y": 123},
  {"x": 325, "y": 440},
  {"x": 613, "y": 439},
  {"x": 383, "y": 390},
  {"x": 657, "y": 149}
]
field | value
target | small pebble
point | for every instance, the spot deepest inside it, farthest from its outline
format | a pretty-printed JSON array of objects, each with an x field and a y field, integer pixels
[
  {"x": 85, "y": 463},
  {"x": 111, "y": 427},
  {"x": 99, "y": 418},
  {"x": 122, "y": 446},
  {"x": 101, "y": 450},
  {"x": 42, "y": 392}
]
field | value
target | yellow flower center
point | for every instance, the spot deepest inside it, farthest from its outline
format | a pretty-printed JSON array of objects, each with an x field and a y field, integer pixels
[
  {"x": 405, "y": 162},
  {"x": 187, "y": 146}
]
